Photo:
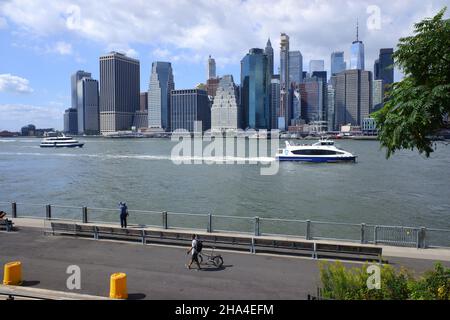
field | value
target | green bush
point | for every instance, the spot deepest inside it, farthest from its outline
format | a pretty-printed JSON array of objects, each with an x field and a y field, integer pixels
[{"x": 339, "y": 282}]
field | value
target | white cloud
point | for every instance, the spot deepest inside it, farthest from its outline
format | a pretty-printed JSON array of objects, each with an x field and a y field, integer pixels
[
  {"x": 14, "y": 84},
  {"x": 3, "y": 23},
  {"x": 227, "y": 29},
  {"x": 16, "y": 115},
  {"x": 63, "y": 48}
]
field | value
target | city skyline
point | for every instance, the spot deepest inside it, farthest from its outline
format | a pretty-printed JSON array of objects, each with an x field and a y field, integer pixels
[{"x": 42, "y": 52}]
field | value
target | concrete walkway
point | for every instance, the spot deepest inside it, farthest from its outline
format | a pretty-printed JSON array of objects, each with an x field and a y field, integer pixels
[
  {"x": 159, "y": 272},
  {"x": 441, "y": 254}
]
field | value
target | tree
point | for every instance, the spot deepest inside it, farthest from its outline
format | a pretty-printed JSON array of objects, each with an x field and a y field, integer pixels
[{"x": 416, "y": 107}]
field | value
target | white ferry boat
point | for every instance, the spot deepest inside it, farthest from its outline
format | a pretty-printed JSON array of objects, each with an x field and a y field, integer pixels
[
  {"x": 60, "y": 142},
  {"x": 322, "y": 151}
]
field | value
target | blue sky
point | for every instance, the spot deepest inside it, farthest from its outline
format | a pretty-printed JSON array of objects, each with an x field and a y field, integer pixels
[{"x": 43, "y": 42}]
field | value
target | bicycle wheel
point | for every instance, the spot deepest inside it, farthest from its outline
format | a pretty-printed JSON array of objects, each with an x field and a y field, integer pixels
[{"x": 218, "y": 261}]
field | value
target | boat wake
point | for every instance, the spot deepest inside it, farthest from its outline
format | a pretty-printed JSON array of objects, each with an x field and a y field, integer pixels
[{"x": 179, "y": 159}]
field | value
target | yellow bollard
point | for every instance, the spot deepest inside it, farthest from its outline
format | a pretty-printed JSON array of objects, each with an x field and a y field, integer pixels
[
  {"x": 13, "y": 274},
  {"x": 118, "y": 286}
]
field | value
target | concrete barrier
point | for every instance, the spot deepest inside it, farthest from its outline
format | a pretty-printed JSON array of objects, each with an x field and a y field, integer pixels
[
  {"x": 118, "y": 286},
  {"x": 13, "y": 274}
]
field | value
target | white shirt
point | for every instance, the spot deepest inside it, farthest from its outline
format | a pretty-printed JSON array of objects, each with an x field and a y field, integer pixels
[{"x": 194, "y": 244}]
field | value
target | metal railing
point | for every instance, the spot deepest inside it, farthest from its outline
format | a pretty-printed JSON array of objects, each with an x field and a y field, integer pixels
[{"x": 419, "y": 237}]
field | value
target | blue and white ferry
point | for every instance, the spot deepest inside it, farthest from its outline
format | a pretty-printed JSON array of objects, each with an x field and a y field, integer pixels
[{"x": 322, "y": 151}]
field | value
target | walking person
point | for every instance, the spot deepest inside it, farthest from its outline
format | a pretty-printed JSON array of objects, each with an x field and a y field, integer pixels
[
  {"x": 123, "y": 214},
  {"x": 194, "y": 250}
]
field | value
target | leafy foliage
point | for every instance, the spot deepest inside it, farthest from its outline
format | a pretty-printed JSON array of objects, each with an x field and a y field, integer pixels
[
  {"x": 341, "y": 283},
  {"x": 416, "y": 106}
]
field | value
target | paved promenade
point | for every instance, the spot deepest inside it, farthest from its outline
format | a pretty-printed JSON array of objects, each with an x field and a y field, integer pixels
[{"x": 158, "y": 272}]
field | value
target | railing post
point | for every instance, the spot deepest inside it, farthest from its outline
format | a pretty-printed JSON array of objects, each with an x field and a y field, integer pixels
[
  {"x": 164, "y": 217},
  {"x": 375, "y": 235},
  {"x": 363, "y": 233},
  {"x": 423, "y": 233},
  {"x": 14, "y": 210},
  {"x": 308, "y": 229},
  {"x": 257, "y": 233},
  {"x": 48, "y": 212},
  {"x": 85, "y": 215},
  {"x": 209, "y": 229}
]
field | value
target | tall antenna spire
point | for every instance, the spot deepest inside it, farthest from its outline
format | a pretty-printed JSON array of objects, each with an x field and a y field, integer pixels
[{"x": 357, "y": 29}]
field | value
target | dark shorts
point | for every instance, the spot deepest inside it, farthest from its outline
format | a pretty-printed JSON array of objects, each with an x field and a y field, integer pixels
[{"x": 195, "y": 256}]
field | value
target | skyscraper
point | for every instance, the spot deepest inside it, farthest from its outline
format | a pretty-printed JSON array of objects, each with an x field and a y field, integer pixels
[
  {"x": 322, "y": 77},
  {"x": 316, "y": 65},
  {"x": 353, "y": 102},
  {"x": 337, "y": 62},
  {"x": 70, "y": 121},
  {"x": 385, "y": 70},
  {"x": 161, "y": 84},
  {"x": 295, "y": 67},
  {"x": 88, "y": 106},
  {"x": 188, "y": 107},
  {"x": 211, "y": 68},
  {"x": 330, "y": 107},
  {"x": 378, "y": 94},
  {"x": 225, "y": 111},
  {"x": 119, "y": 91},
  {"x": 77, "y": 76},
  {"x": 269, "y": 53},
  {"x": 311, "y": 92},
  {"x": 255, "y": 86},
  {"x": 275, "y": 100},
  {"x": 285, "y": 111},
  {"x": 357, "y": 52}
]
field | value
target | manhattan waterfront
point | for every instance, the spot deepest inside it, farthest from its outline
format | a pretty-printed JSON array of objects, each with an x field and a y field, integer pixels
[{"x": 407, "y": 189}]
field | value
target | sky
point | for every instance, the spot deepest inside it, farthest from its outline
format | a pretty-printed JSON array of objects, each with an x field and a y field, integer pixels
[{"x": 43, "y": 42}]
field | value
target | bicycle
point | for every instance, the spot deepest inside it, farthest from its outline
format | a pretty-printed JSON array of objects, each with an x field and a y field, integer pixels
[{"x": 216, "y": 260}]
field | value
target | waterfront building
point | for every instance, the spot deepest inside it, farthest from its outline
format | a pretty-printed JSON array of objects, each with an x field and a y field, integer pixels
[
  {"x": 187, "y": 107},
  {"x": 29, "y": 130},
  {"x": 337, "y": 62},
  {"x": 311, "y": 93},
  {"x": 384, "y": 66},
  {"x": 269, "y": 53},
  {"x": 353, "y": 101},
  {"x": 316, "y": 65},
  {"x": 378, "y": 94},
  {"x": 225, "y": 111},
  {"x": 88, "y": 121},
  {"x": 285, "y": 113},
  {"x": 275, "y": 100},
  {"x": 357, "y": 53},
  {"x": 369, "y": 126},
  {"x": 161, "y": 84},
  {"x": 119, "y": 91},
  {"x": 255, "y": 86},
  {"x": 70, "y": 121},
  {"x": 211, "y": 68}
]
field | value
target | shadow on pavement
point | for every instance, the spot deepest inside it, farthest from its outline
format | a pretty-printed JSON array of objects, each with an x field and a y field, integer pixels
[
  {"x": 136, "y": 296},
  {"x": 30, "y": 283},
  {"x": 214, "y": 268}
]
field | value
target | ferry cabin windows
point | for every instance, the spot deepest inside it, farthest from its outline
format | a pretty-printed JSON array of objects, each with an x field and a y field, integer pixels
[{"x": 316, "y": 152}]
